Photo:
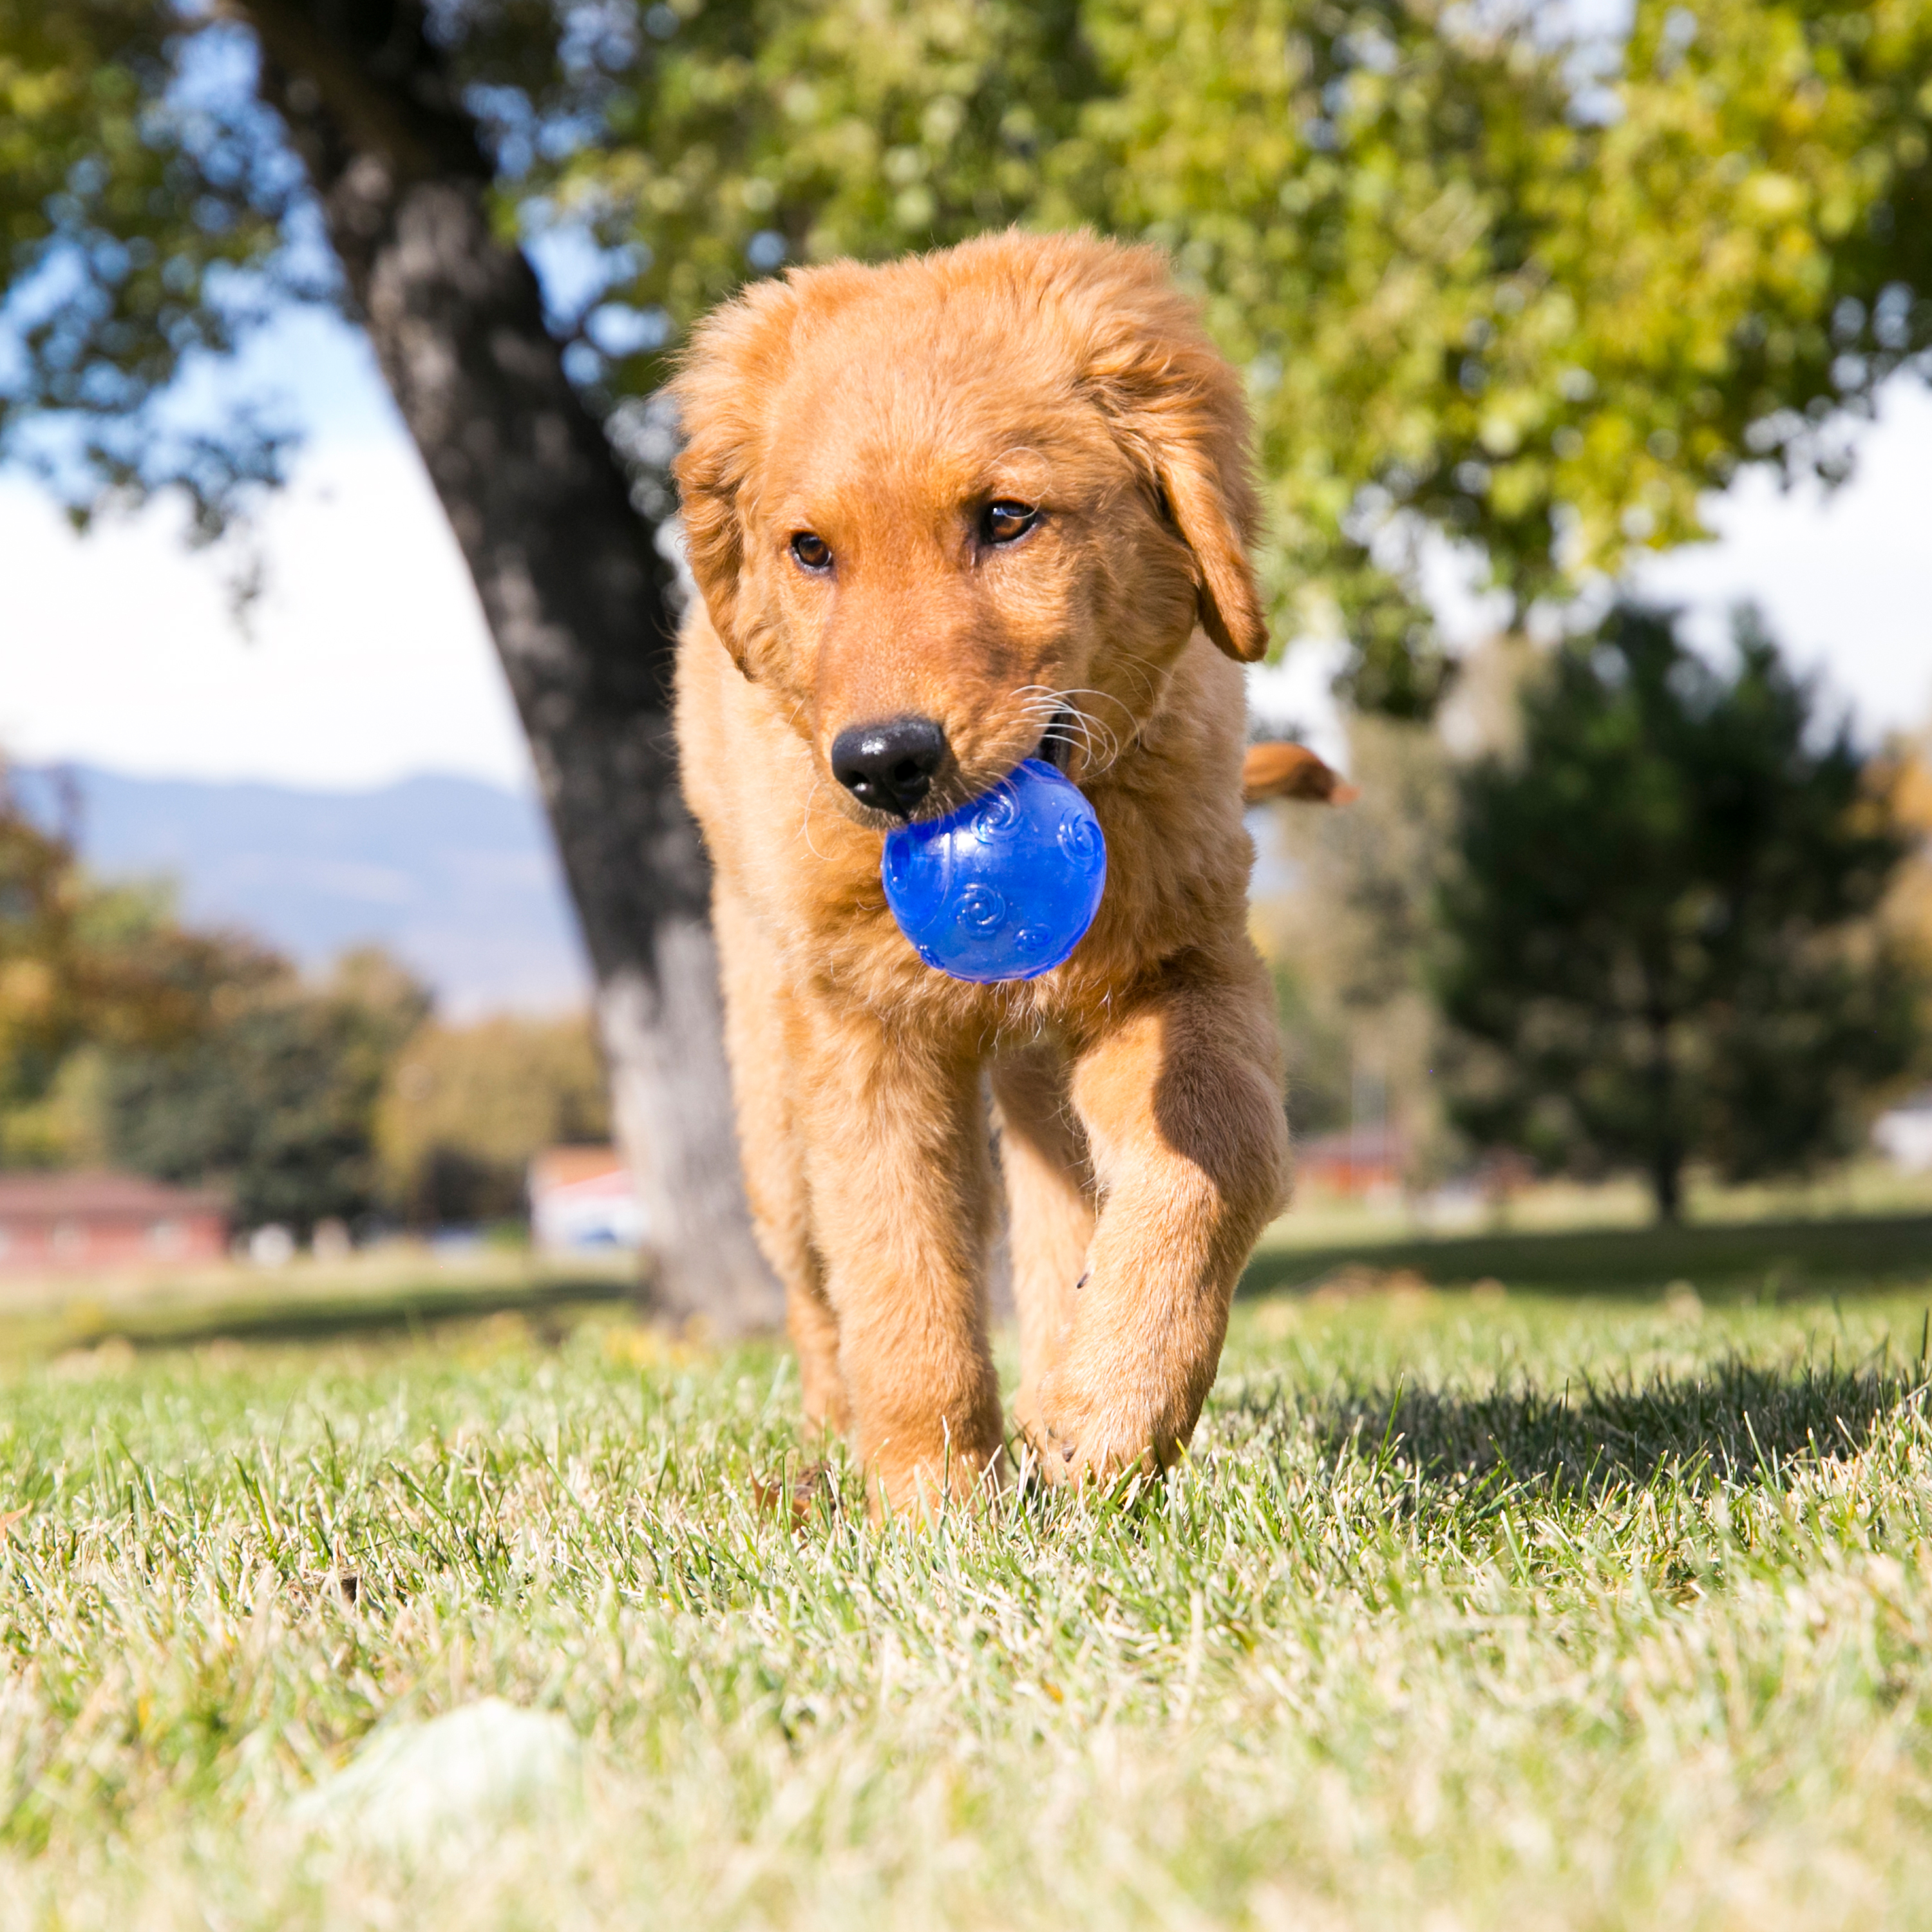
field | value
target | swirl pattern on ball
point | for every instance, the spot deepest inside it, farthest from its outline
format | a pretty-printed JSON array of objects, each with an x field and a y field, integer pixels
[{"x": 1004, "y": 888}]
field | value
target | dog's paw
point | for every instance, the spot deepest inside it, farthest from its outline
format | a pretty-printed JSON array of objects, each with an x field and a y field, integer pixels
[
  {"x": 1080, "y": 1434},
  {"x": 919, "y": 1488},
  {"x": 795, "y": 1494}
]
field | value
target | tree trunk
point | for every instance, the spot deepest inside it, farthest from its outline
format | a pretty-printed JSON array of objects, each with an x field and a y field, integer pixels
[
  {"x": 572, "y": 585},
  {"x": 1667, "y": 1143},
  {"x": 1666, "y": 1184}
]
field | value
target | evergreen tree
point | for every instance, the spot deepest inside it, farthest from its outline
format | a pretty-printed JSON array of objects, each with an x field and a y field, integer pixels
[{"x": 1660, "y": 944}]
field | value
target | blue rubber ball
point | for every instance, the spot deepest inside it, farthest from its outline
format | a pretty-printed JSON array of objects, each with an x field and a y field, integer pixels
[{"x": 1004, "y": 888}]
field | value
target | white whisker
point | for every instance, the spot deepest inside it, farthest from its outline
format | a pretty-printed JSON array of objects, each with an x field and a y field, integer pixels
[{"x": 805, "y": 824}]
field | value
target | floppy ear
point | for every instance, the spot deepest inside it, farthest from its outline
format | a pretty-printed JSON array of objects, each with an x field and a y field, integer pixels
[
  {"x": 1279, "y": 770},
  {"x": 1176, "y": 404},
  {"x": 736, "y": 356}
]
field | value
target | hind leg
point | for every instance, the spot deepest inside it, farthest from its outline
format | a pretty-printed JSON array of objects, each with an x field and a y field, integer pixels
[
  {"x": 1043, "y": 1158},
  {"x": 759, "y": 1038}
]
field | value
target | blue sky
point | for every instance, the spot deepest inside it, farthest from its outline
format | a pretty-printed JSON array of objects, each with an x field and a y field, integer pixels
[{"x": 369, "y": 660}]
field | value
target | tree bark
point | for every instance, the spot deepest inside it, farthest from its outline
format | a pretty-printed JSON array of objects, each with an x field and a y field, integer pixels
[
  {"x": 573, "y": 587},
  {"x": 1666, "y": 1145},
  {"x": 1666, "y": 1184}
]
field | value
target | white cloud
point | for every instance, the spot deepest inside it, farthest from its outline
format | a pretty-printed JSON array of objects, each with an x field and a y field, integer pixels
[
  {"x": 1845, "y": 578},
  {"x": 369, "y": 658}
]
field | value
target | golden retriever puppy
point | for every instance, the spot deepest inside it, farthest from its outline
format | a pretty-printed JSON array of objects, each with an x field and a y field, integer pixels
[{"x": 945, "y": 515}]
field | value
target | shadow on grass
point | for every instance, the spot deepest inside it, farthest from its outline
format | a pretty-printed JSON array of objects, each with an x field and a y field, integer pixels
[
  {"x": 1738, "y": 1422},
  {"x": 1769, "y": 1260},
  {"x": 320, "y": 1319}
]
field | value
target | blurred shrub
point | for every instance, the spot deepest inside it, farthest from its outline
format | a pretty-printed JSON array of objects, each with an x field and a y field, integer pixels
[
  {"x": 127, "y": 1040},
  {"x": 465, "y": 1107},
  {"x": 1348, "y": 937},
  {"x": 1909, "y": 909},
  {"x": 83, "y": 966},
  {"x": 275, "y": 1096}
]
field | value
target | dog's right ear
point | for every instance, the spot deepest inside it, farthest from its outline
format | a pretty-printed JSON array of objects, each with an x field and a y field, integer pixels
[{"x": 736, "y": 357}]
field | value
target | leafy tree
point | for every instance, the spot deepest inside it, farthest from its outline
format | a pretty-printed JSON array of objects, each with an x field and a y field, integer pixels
[
  {"x": 1659, "y": 941},
  {"x": 465, "y": 1108},
  {"x": 79, "y": 963},
  {"x": 135, "y": 191},
  {"x": 233, "y": 149},
  {"x": 1349, "y": 935},
  {"x": 276, "y": 1097},
  {"x": 1474, "y": 287}
]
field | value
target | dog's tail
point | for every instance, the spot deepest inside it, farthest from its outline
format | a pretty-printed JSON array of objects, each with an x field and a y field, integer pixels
[{"x": 1292, "y": 771}]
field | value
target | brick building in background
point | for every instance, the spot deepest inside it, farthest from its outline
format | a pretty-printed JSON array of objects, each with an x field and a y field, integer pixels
[{"x": 61, "y": 1222}]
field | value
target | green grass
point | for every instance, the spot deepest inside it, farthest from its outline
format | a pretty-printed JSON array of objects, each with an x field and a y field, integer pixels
[
  {"x": 1546, "y": 1612},
  {"x": 1765, "y": 1261},
  {"x": 402, "y": 1286}
]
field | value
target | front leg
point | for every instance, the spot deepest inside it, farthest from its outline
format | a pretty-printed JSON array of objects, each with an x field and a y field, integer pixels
[
  {"x": 1049, "y": 1203},
  {"x": 1180, "y": 1096},
  {"x": 901, "y": 1185}
]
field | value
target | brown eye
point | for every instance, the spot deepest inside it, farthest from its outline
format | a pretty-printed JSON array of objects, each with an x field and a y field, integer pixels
[
  {"x": 812, "y": 552},
  {"x": 1005, "y": 521}
]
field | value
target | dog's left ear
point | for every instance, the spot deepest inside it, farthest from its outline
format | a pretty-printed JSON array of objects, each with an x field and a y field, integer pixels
[{"x": 1176, "y": 406}]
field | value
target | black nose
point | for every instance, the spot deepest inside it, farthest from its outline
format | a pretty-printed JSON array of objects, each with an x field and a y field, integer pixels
[{"x": 889, "y": 766}]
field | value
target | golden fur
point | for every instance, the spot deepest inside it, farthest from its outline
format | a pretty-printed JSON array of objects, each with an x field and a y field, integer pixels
[{"x": 1138, "y": 1088}]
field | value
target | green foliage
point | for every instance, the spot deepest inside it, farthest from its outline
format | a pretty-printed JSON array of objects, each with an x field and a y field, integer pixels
[
  {"x": 1476, "y": 287},
  {"x": 465, "y": 1108},
  {"x": 79, "y": 964},
  {"x": 786, "y": 130},
  {"x": 137, "y": 183},
  {"x": 197, "y": 1057},
  {"x": 276, "y": 1096},
  {"x": 1660, "y": 938},
  {"x": 1466, "y": 297}
]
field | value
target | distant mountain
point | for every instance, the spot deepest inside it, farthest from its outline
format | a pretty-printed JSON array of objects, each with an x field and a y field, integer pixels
[{"x": 458, "y": 878}]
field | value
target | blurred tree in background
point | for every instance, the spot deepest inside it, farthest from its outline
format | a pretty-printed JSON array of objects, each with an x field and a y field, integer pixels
[
  {"x": 465, "y": 1108},
  {"x": 1530, "y": 296},
  {"x": 1661, "y": 937},
  {"x": 127, "y": 1039},
  {"x": 275, "y": 1098},
  {"x": 145, "y": 205},
  {"x": 80, "y": 963},
  {"x": 1349, "y": 941},
  {"x": 1534, "y": 297}
]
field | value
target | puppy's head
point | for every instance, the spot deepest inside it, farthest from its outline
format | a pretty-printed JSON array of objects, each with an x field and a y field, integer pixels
[{"x": 967, "y": 508}]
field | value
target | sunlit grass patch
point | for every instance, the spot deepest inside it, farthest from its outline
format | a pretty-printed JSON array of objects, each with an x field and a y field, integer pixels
[{"x": 1528, "y": 1613}]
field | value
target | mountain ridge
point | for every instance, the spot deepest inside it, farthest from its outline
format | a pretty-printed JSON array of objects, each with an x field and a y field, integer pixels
[{"x": 456, "y": 876}]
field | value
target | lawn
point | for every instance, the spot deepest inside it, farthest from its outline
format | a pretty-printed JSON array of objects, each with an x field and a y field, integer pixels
[{"x": 1567, "y": 1611}]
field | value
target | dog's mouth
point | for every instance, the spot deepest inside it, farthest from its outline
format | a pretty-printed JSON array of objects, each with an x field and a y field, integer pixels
[
  {"x": 1056, "y": 742},
  {"x": 952, "y": 790}
]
